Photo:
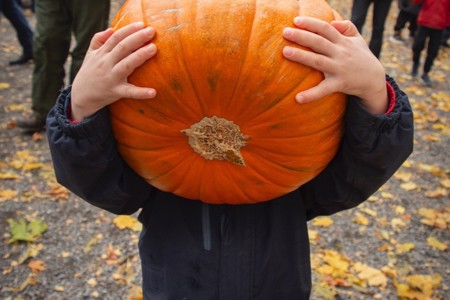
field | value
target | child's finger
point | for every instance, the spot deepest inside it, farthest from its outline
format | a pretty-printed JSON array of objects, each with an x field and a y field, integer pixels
[
  {"x": 320, "y": 27},
  {"x": 127, "y": 65},
  {"x": 100, "y": 38},
  {"x": 121, "y": 34},
  {"x": 131, "y": 43},
  {"x": 308, "y": 58},
  {"x": 308, "y": 39},
  {"x": 346, "y": 28}
]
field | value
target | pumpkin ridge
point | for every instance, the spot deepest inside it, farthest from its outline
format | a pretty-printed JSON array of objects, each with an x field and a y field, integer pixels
[
  {"x": 267, "y": 177},
  {"x": 187, "y": 72},
  {"x": 231, "y": 101},
  {"x": 287, "y": 166},
  {"x": 329, "y": 127},
  {"x": 281, "y": 97},
  {"x": 174, "y": 162},
  {"x": 186, "y": 66},
  {"x": 126, "y": 124}
]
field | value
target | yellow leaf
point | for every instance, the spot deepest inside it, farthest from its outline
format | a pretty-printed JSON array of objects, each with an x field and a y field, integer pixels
[
  {"x": 434, "y": 170},
  {"x": 58, "y": 191},
  {"x": 369, "y": 212},
  {"x": 403, "y": 176},
  {"x": 135, "y": 293},
  {"x": 361, "y": 219},
  {"x": 4, "y": 85},
  {"x": 439, "y": 219},
  {"x": 387, "y": 195},
  {"x": 9, "y": 176},
  {"x": 389, "y": 271},
  {"x": 396, "y": 222},
  {"x": 58, "y": 288},
  {"x": 399, "y": 210},
  {"x": 427, "y": 213},
  {"x": 445, "y": 183},
  {"x": 372, "y": 276},
  {"x": 404, "y": 248},
  {"x": 424, "y": 283},
  {"x": 408, "y": 186},
  {"x": 7, "y": 195},
  {"x": 323, "y": 222},
  {"x": 435, "y": 243},
  {"x": 92, "y": 282},
  {"x": 313, "y": 236},
  {"x": 16, "y": 107},
  {"x": 31, "y": 166},
  {"x": 125, "y": 221},
  {"x": 431, "y": 138}
]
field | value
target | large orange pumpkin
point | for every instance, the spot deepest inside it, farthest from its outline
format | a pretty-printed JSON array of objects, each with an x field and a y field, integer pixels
[{"x": 225, "y": 127}]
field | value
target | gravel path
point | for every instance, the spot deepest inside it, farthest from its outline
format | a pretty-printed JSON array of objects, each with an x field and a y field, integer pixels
[{"x": 84, "y": 255}]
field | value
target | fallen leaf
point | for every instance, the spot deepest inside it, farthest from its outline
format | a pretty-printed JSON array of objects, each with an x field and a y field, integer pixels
[
  {"x": 372, "y": 276},
  {"x": 404, "y": 248},
  {"x": 36, "y": 266},
  {"x": 437, "y": 193},
  {"x": 360, "y": 219},
  {"x": 436, "y": 244},
  {"x": 22, "y": 230},
  {"x": 7, "y": 195},
  {"x": 408, "y": 186},
  {"x": 125, "y": 221},
  {"x": 323, "y": 222}
]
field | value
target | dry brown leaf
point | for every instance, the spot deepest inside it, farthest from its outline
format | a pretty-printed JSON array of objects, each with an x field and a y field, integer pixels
[
  {"x": 37, "y": 266},
  {"x": 437, "y": 193}
]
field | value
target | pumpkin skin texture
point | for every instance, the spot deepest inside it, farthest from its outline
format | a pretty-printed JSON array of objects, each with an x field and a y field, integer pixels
[{"x": 222, "y": 60}]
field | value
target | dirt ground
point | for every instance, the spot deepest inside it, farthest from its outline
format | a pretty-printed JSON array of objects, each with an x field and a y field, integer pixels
[{"x": 394, "y": 244}]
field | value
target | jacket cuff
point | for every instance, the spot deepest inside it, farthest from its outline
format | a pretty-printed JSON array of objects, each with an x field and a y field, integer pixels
[
  {"x": 94, "y": 126},
  {"x": 362, "y": 125}
]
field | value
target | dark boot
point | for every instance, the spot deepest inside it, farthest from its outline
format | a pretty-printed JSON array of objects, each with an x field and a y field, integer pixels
[
  {"x": 23, "y": 59},
  {"x": 426, "y": 79},
  {"x": 415, "y": 69},
  {"x": 31, "y": 123}
]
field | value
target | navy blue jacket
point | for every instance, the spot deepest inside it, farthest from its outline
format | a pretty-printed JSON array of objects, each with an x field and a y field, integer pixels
[{"x": 193, "y": 250}]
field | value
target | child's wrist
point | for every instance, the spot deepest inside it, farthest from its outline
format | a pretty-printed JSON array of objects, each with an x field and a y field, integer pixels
[{"x": 376, "y": 102}]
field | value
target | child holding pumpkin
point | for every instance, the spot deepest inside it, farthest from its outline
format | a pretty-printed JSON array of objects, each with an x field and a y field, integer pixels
[{"x": 194, "y": 250}]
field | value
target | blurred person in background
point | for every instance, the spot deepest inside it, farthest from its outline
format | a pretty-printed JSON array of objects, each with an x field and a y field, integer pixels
[
  {"x": 56, "y": 21},
  {"x": 434, "y": 17},
  {"x": 407, "y": 13},
  {"x": 13, "y": 12},
  {"x": 380, "y": 12}
]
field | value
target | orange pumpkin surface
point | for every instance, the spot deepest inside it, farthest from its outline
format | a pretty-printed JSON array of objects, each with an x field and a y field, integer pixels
[{"x": 225, "y": 127}]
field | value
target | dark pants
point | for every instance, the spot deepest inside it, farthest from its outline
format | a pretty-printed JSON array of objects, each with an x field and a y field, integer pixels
[
  {"x": 406, "y": 17},
  {"x": 380, "y": 12},
  {"x": 434, "y": 41},
  {"x": 13, "y": 12},
  {"x": 56, "y": 21}
]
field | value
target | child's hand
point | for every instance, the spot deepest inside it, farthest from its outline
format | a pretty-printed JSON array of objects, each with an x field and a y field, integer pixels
[
  {"x": 342, "y": 55},
  {"x": 111, "y": 58}
]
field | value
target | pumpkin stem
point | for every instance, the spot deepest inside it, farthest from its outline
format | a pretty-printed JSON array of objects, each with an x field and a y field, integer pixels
[{"x": 217, "y": 138}]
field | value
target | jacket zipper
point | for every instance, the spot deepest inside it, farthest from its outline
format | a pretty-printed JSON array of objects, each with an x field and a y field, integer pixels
[{"x": 206, "y": 226}]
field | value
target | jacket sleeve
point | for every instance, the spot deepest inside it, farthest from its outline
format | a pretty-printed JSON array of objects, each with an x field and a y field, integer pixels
[
  {"x": 372, "y": 149},
  {"x": 86, "y": 161}
]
